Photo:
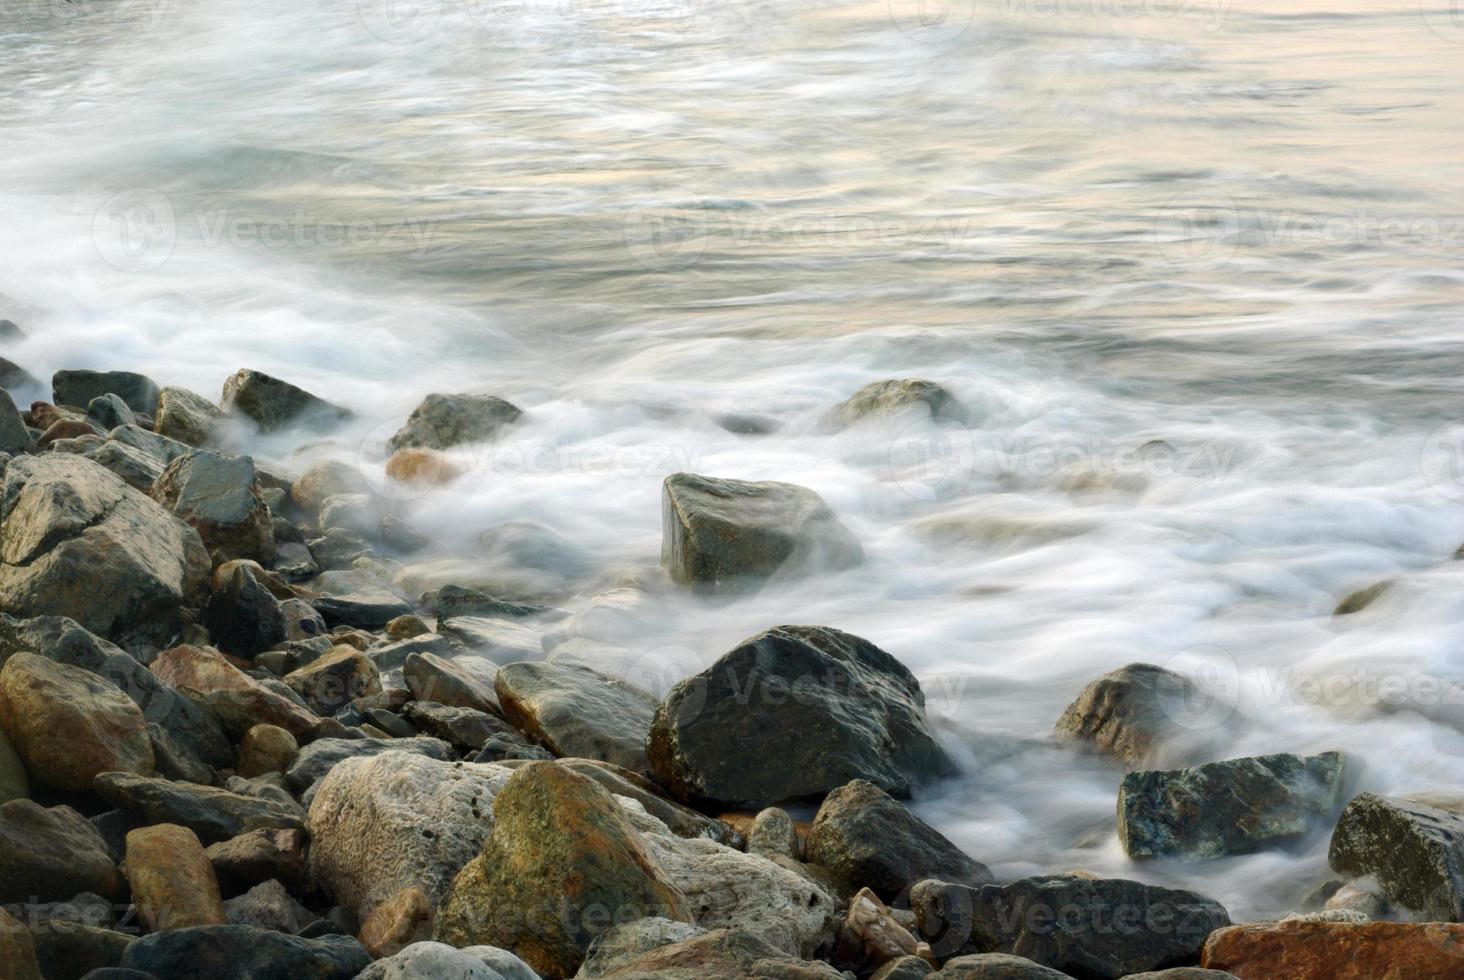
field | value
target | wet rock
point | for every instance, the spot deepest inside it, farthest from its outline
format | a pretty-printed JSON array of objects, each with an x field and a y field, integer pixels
[
  {"x": 69, "y": 724},
  {"x": 1414, "y": 851},
  {"x": 467, "y": 682},
  {"x": 52, "y": 854},
  {"x": 1088, "y": 927},
  {"x": 996, "y": 966},
  {"x": 458, "y": 600},
  {"x": 339, "y": 677},
  {"x": 239, "y": 701},
  {"x": 883, "y": 398},
  {"x": 559, "y": 847},
  {"x": 462, "y": 727},
  {"x": 443, "y": 421},
  {"x": 293, "y": 560},
  {"x": 266, "y": 749},
  {"x": 870, "y": 937},
  {"x": 80, "y": 387},
  {"x": 218, "y": 495},
  {"x": 186, "y": 416},
  {"x": 1230, "y": 807},
  {"x": 422, "y": 468},
  {"x": 868, "y": 839},
  {"x": 247, "y": 614},
  {"x": 274, "y": 404},
  {"x": 725, "y": 536},
  {"x": 403, "y": 919},
  {"x": 392, "y": 656},
  {"x": 395, "y": 821},
  {"x": 175, "y": 761},
  {"x": 318, "y": 758},
  {"x": 576, "y": 711},
  {"x": 339, "y": 549},
  {"x": 1143, "y": 715},
  {"x": 14, "y": 436},
  {"x": 627, "y": 942},
  {"x": 150, "y": 443},
  {"x": 500, "y": 640},
  {"x": 213, "y": 814},
  {"x": 106, "y": 412},
  {"x": 14, "y": 783},
  {"x": 406, "y": 627},
  {"x": 268, "y": 905},
  {"x": 73, "y": 949},
  {"x": 831, "y": 707},
  {"x": 65, "y": 433},
  {"x": 904, "y": 968},
  {"x": 436, "y": 961},
  {"x": 352, "y": 512},
  {"x": 1356, "y": 602},
  {"x": 173, "y": 884},
  {"x": 79, "y": 542},
  {"x": 1337, "y": 951},
  {"x": 245, "y": 953},
  {"x": 774, "y": 835},
  {"x": 135, "y": 468},
  {"x": 365, "y": 609},
  {"x": 723, "y": 954},
  {"x": 326, "y": 479},
  {"x": 17, "y": 950},
  {"x": 512, "y": 748}
]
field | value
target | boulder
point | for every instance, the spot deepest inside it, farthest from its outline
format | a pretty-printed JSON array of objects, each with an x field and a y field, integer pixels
[
  {"x": 868, "y": 839},
  {"x": 218, "y": 495},
  {"x": 245, "y": 953},
  {"x": 459, "y": 600},
  {"x": 78, "y": 388},
  {"x": 76, "y": 541},
  {"x": 464, "y": 728},
  {"x": 239, "y": 701},
  {"x": 213, "y": 814},
  {"x": 356, "y": 512},
  {"x": 560, "y": 864},
  {"x": 774, "y": 835},
  {"x": 406, "y": 627},
  {"x": 17, "y": 950},
  {"x": 500, "y": 640},
  {"x": 829, "y": 706},
  {"x": 273, "y": 404},
  {"x": 401, "y": 920},
  {"x": 996, "y": 966},
  {"x": 265, "y": 749},
  {"x": 258, "y": 856},
  {"x": 158, "y": 447},
  {"x": 247, "y": 614},
  {"x": 135, "y": 468},
  {"x": 396, "y": 820},
  {"x": 576, "y": 711},
  {"x": 14, "y": 436},
  {"x": 870, "y": 937},
  {"x": 339, "y": 549},
  {"x": 70, "y": 724},
  {"x": 173, "y": 884},
  {"x": 1231, "y": 807},
  {"x": 1089, "y": 927},
  {"x": 443, "y": 421},
  {"x": 627, "y": 942},
  {"x": 722, "y": 954},
  {"x": 1142, "y": 715},
  {"x": 1414, "y": 851},
  {"x": 14, "y": 783},
  {"x": 727, "y": 536},
  {"x": 436, "y": 961},
  {"x": 392, "y": 656},
  {"x": 367, "y": 609},
  {"x": 318, "y": 758},
  {"x": 106, "y": 412},
  {"x": 268, "y": 905},
  {"x": 74, "y": 949},
  {"x": 326, "y": 479},
  {"x": 14, "y": 377},
  {"x": 422, "y": 468},
  {"x": 339, "y": 677},
  {"x": 466, "y": 682},
  {"x": 884, "y": 398},
  {"x": 1300, "y": 950},
  {"x": 49, "y": 855},
  {"x": 186, "y": 416}
]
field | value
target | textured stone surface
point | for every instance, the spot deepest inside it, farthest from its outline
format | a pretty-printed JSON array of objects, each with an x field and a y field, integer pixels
[
  {"x": 870, "y": 937},
  {"x": 245, "y": 953},
  {"x": 268, "y": 905},
  {"x": 213, "y": 814},
  {"x": 774, "y": 834},
  {"x": 1143, "y": 715},
  {"x": 829, "y": 706},
  {"x": 321, "y": 756},
  {"x": 274, "y": 404},
  {"x": 437, "y": 961},
  {"x": 443, "y": 421},
  {"x": 467, "y": 682},
  {"x": 501, "y": 640},
  {"x": 14, "y": 783},
  {"x": 727, "y": 536},
  {"x": 186, "y": 416},
  {"x": 218, "y": 495},
  {"x": 340, "y": 676},
  {"x": 49, "y": 855},
  {"x": 17, "y": 950},
  {"x": 996, "y": 966},
  {"x": 1415, "y": 851},
  {"x": 400, "y": 920},
  {"x": 464, "y": 728},
  {"x": 107, "y": 412},
  {"x": 78, "y": 388},
  {"x": 242, "y": 862},
  {"x": 576, "y": 711},
  {"x": 1338, "y": 951},
  {"x": 136, "y": 469},
  {"x": 14, "y": 437},
  {"x": 881, "y": 398},
  {"x": 1230, "y": 807},
  {"x": 266, "y": 749},
  {"x": 722, "y": 954},
  {"x": 173, "y": 883},
  {"x": 629, "y": 941},
  {"x": 239, "y": 701}
]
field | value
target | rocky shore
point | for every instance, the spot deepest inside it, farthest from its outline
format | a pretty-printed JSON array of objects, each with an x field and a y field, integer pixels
[{"x": 235, "y": 746}]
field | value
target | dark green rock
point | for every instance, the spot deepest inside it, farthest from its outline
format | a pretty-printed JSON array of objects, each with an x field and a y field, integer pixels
[
  {"x": 1415, "y": 851},
  {"x": 274, "y": 404}
]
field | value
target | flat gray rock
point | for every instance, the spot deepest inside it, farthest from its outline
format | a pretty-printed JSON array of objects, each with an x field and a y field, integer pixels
[{"x": 577, "y": 711}]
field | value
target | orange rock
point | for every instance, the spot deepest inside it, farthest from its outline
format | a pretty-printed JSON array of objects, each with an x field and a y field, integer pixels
[
  {"x": 1301, "y": 950},
  {"x": 65, "y": 429},
  {"x": 239, "y": 700},
  {"x": 422, "y": 467},
  {"x": 265, "y": 749},
  {"x": 173, "y": 883},
  {"x": 401, "y": 920}
]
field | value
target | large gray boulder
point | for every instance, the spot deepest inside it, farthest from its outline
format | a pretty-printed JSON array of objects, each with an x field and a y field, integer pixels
[
  {"x": 1414, "y": 850},
  {"x": 50, "y": 855},
  {"x": 1144, "y": 715},
  {"x": 442, "y": 421},
  {"x": 76, "y": 541},
  {"x": 244, "y": 953},
  {"x": 273, "y": 404},
  {"x": 218, "y": 495},
  {"x": 728, "y": 536},
  {"x": 1230, "y": 807},
  {"x": 213, "y": 814},
  {"x": 576, "y": 711},
  {"x": 78, "y": 388},
  {"x": 792, "y": 714}
]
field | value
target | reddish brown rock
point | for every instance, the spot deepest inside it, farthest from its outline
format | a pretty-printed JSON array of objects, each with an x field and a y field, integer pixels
[
  {"x": 341, "y": 675},
  {"x": 1300, "y": 950},
  {"x": 173, "y": 883},
  {"x": 422, "y": 468},
  {"x": 66, "y": 429},
  {"x": 239, "y": 700},
  {"x": 17, "y": 950}
]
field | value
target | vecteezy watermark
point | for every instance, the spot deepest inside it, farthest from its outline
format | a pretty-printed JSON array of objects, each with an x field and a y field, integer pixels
[
  {"x": 1442, "y": 459},
  {"x": 138, "y": 230},
  {"x": 932, "y": 21},
  {"x": 1211, "y": 13},
  {"x": 667, "y": 238},
  {"x": 1445, "y": 18}
]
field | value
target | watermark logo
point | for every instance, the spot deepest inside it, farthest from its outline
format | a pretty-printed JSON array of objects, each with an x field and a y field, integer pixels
[
  {"x": 1445, "y": 18},
  {"x": 1210, "y": 694},
  {"x": 1205, "y": 229},
  {"x": 933, "y": 460},
  {"x": 136, "y": 230},
  {"x": 1442, "y": 459},
  {"x": 932, "y": 21},
  {"x": 667, "y": 238},
  {"x": 401, "y": 21}
]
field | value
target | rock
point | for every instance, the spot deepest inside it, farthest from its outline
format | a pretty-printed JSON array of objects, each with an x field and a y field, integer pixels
[
  {"x": 727, "y": 536},
  {"x": 883, "y": 398},
  {"x": 51, "y": 855},
  {"x": 274, "y": 404},
  {"x": 499, "y": 640},
  {"x": 576, "y": 711},
  {"x": 1337, "y": 951},
  {"x": 443, "y": 421},
  {"x": 723, "y": 954},
  {"x": 135, "y": 468},
  {"x": 79, "y": 387},
  {"x": 186, "y": 416},
  {"x": 193, "y": 728},
  {"x": 339, "y": 548},
  {"x": 467, "y": 682},
  {"x": 512, "y": 748},
  {"x": 436, "y": 961},
  {"x": 774, "y": 835},
  {"x": 293, "y": 560},
  {"x": 268, "y": 906},
  {"x": 239, "y": 701},
  {"x": 318, "y": 758},
  {"x": 559, "y": 865},
  {"x": 339, "y": 677},
  {"x": 249, "y": 613},
  {"x": 904, "y": 968},
  {"x": 149, "y": 443},
  {"x": 831, "y": 707},
  {"x": 406, "y": 627},
  {"x": 1231, "y": 807},
  {"x": 69, "y": 724},
  {"x": 326, "y": 479},
  {"x": 218, "y": 495},
  {"x": 14, "y": 436},
  {"x": 17, "y": 950},
  {"x": 255, "y": 857},
  {"x": 1089, "y": 927},
  {"x": 1183, "y": 973},
  {"x": 868, "y": 839},
  {"x": 457, "y": 600},
  {"x": 265, "y": 749},
  {"x": 397, "y": 820},
  {"x": 106, "y": 412},
  {"x": 462, "y": 727},
  {"x": 214, "y": 814},
  {"x": 245, "y": 953},
  {"x": 76, "y": 541},
  {"x": 627, "y": 942},
  {"x": 367, "y": 610},
  {"x": 996, "y": 966},
  {"x": 403, "y": 919},
  {"x": 870, "y": 937},
  {"x": 74, "y": 949},
  {"x": 14, "y": 377},
  {"x": 400, "y": 536},
  {"x": 352, "y": 512},
  {"x": 1356, "y": 602},
  {"x": 422, "y": 468},
  {"x": 1414, "y": 851},
  {"x": 70, "y": 432},
  {"x": 1143, "y": 715},
  {"x": 14, "y": 783},
  {"x": 392, "y": 656},
  {"x": 173, "y": 883}
]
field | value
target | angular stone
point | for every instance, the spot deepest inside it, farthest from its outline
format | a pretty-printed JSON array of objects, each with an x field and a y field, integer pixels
[
  {"x": 364, "y": 610},
  {"x": 258, "y": 856},
  {"x": 265, "y": 749},
  {"x": 49, "y": 855},
  {"x": 627, "y": 942},
  {"x": 79, "y": 542},
  {"x": 458, "y": 600},
  {"x": 559, "y": 848},
  {"x": 75, "y": 949},
  {"x": 576, "y": 711},
  {"x": 106, "y": 412},
  {"x": 80, "y": 387},
  {"x": 406, "y": 627},
  {"x": 870, "y": 937},
  {"x": 318, "y": 758},
  {"x": 1143, "y": 715},
  {"x": 187, "y": 416},
  {"x": 468, "y": 682},
  {"x": 14, "y": 436},
  {"x": 17, "y": 950},
  {"x": 239, "y": 701},
  {"x": 400, "y": 921},
  {"x": 14, "y": 783},
  {"x": 69, "y": 724},
  {"x": 213, "y": 814},
  {"x": 274, "y": 404},
  {"x": 867, "y": 839},
  {"x": 218, "y": 495},
  {"x": 462, "y": 727},
  {"x": 1299, "y": 950},
  {"x": 723, "y": 954},
  {"x": 245, "y": 953},
  {"x": 443, "y": 421},
  {"x": 1415, "y": 851},
  {"x": 882, "y": 398},
  {"x": 268, "y": 905},
  {"x": 339, "y": 677},
  {"x": 728, "y": 536},
  {"x": 173, "y": 884},
  {"x": 158, "y": 447},
  {"x": 392, "y": 656},
  {"x": 1230, "y": 807},
  {"x": 499, "y": 640},
  {"x": 829, "y": 706},
  {"x": 135, "y": 468},
  {"x": 437, "y": 961}
]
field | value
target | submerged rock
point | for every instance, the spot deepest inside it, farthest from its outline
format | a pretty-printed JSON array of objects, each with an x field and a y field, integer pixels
[
  {"x": 78, "y": 388},
  {"x": 1414, "y": 851},
  {"x": 1142, "y": 714},
  {"x": 187, "y": 416},
  {"x": 274, "y": 404},
  {"x": 880, "y": 398},
  {"x": 1298, "y": 950},
  {"x": 725, "y": 536},
  {"x": 443, "y": 421},
  {"x": 576, "y": 711},
  {"x": 218, "y": 495}
]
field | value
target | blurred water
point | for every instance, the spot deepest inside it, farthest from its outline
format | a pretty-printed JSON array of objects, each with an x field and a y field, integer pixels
[{"x": 1101, "y": 223}]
